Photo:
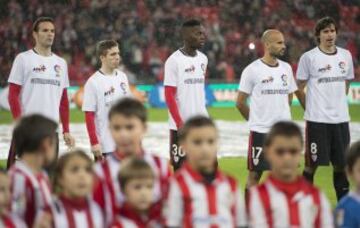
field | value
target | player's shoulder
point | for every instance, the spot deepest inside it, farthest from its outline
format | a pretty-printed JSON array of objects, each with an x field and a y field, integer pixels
[
  {"x": 121, "y": 221},
  {"x": 350, "y": 201},
  {"x": 59, "y": 58},
  {"x": 201, "y": 54},
  {"x": 121, "y": 74},
  {"x": 254, "y": 65},
  {"x": 284, "y": 63},
  {"x": 343, "y": 51},
  {"x": 174, "y": 56}
]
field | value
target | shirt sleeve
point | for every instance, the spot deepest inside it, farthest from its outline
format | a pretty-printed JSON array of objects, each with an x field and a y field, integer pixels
[
  {"x": 246, "y": 81},
  {"x": 19, "y": 195},
  {"x": 303, "y": 70},
  {"x": 17, "y": 73},
  {"x": 292, "y": 83},
  {"x": 89, "y": 100},
  {"x": 350, "y": 73},
  {"x": 173, "y": 210},
  {"x": 170, "y": 72},
  {"x": 66, "y": 75}
]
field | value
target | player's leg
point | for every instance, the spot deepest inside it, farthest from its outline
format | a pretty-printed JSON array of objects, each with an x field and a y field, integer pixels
[
  {"x": 340, "y": 141},
  {"x": 11, "y": 155},
  {"x": 257, "y": 163},
  {"x": 317, "y": 149},
  {"x": 177, "y": 155}
]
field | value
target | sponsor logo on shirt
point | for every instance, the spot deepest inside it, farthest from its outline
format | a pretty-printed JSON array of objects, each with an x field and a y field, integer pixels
[
  {"x": 110, "y": 91},
  {"x": 270, "y": 79},
  {"x": 331, "y": 79},
  {"x": 44, "y": 81},
  {"x": 194, "y": 81},
  {"x": 39, "y": 69},
  {"x": 191, "y": 69},
  {"x": 214, "y": 219},
  {"x": 274, "y": 91},
  {"x": 342, "y": 66},
  {"x": 284, "y": 79},
  {"x": 57, "y": 69},
  {"x": 324, "y": 69}
]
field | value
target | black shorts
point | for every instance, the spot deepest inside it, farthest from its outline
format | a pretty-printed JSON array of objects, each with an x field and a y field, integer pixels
[
  {"x": 326, "y": 143},
  {"x": 256, "y": 159},
  {"x": 177, "y": 155}
]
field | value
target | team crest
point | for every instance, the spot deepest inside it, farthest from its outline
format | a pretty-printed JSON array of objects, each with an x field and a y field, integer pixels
[
  {"x": 203, "y": 67},
  {"x": 123, "y": 87},
  {"x": 57, "y": 70},
  {"x": 284, "y": 79},
  {"x": 342, "y": 66}
]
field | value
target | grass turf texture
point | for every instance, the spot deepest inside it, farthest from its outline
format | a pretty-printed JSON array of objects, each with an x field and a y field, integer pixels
[
  {"x": 161, "y": 115},
  {"x": 234, "y": 166}
]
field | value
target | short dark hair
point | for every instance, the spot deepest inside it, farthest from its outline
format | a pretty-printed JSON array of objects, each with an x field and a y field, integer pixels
[
  {"x": 31, "y": 131},
  {"x": 191, "y": 23},
  {"x": 40, "y": 20},
  {"x": 322, "y": 24},
  {"x": 134, "y": 168},
  {"x": 194, "y": 122},
  {"x": 103, "y": 46},
  {"x": 352, "y": 155},
  {"x": 129, "y": 107},
  {"x": 283, "y": 128},
  {"x": 61, "y": 163}
]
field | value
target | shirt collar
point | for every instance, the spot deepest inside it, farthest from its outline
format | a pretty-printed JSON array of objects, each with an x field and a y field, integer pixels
[{"x": 198, "y": 177}]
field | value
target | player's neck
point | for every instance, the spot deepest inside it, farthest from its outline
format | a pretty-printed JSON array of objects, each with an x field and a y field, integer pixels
[
  {"x": 43, "y": 51},
  {"x": 285, "y": 179},
  {"x": 187, "y": 50},
  {"x": 269, "y": 60},
  {"x": 106, "y": 70},
  {"x": 327, "y": 49},
  {"x": 32, "y": 161}
]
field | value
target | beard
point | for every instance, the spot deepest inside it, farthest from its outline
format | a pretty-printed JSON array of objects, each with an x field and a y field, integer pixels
[{"x": 277, "y": 54}]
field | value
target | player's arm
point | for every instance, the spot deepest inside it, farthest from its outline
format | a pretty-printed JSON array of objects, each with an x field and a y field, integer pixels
[
  {"x": 14, "y": 100},
  {"x": 241, "y": 104},
  {"x": 170, "y": 83},
  {"x": 300, "y": 93},
  {"x": 16, "y": 80},
  {"x": 350, "y": 74},
  {"x": 64, "y": 110}
]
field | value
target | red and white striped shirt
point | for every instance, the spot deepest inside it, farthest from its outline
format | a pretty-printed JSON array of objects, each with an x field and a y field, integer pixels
[
  {"x": 194, "y": 202},
  {"x": 80, "y": 213},
  {"x": 129, "y": 218},
  {"x": 30, "y": 192},
  {"x": 298, "y": 204},
  {"x": 11, "y": 221},
  {"x": 107, "y": 192}
]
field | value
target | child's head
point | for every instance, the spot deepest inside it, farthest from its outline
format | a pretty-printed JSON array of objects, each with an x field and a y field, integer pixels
[
  {"x": 36, "y": 134},
  {"x": 74, "y": 174},
  {"x": 137, "y": 183},
  {"x": 353, "y": 163},
  {"x": 199, "y": 139},
  {"x": 283, "y": 146},
  {"x": 4, "y": 191},
  {"x": 127, "y": 123}
]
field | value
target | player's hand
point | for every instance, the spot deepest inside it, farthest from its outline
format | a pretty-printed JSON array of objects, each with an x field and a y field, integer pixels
[
  {"x": 69, "y": 140},
  {"x": 97, "y": 152},
  {"x": 44, "y": 221}
]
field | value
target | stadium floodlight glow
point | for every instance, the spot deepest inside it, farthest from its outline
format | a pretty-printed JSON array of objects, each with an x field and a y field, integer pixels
[{"x": 251, "y": 46}]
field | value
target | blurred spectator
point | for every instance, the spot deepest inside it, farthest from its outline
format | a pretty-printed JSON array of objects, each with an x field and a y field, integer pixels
[{"x": 147, "y": 31}]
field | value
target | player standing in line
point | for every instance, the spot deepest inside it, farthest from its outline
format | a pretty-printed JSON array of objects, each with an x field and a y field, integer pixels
[
  {"x": 326, "y": 71},
  {"x": 184, "y": 82},
  {"x": 286, "y": 199},
  {"x": 103, "y": 88},
  {"x": 38, "y": 82},
  {"x": 270, "y": 83}
]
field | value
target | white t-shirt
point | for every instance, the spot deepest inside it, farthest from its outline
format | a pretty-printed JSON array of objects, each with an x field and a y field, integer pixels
[
  {"x": 326, "y": 99},
  {"x": 43, "y": 79},
  {"x": 187, "y": 74},
  {"x": 268, "y": 87},
  {"x": 100, "y": 92}
]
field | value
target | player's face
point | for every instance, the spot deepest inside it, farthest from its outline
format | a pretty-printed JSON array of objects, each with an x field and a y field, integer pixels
[
  {"x": 45, "y": 34},
  {"x": 195, "y": 36},
  {"x": 276, "y": 45},
  {"x": 112, "y": 58},
  {"x": 201, "y": 145},
  {"x": 127, "y": 132},
  {"x": 139, "y": 193},
  {"x": 328, "y": 36},
  {"x": 77, "y": 178},
  {"x": 4, "y": 192},
  {"x": 284, "y": 155},
  {"x": 354, "y": 174}
]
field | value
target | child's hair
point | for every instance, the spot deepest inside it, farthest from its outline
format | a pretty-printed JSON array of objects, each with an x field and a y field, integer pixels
[
  {"x": 61, "y": 163},
  {"x": 129, "y": 107},
  {"x": 283, "y": 128},
  {"x": 30, "y": 132},
  {"x": 194, "y": 122},
  {"x": 352, "y": 155},
  {"x": 134, "y": 168}
]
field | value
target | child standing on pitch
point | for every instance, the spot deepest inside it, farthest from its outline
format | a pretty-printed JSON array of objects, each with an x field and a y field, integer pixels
[
  {"x": 347, "y": 211},
  {"x": 200, "y": 195}
]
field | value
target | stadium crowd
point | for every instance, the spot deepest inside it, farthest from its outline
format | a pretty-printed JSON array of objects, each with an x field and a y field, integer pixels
[{"x": 146, "y": 28}]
